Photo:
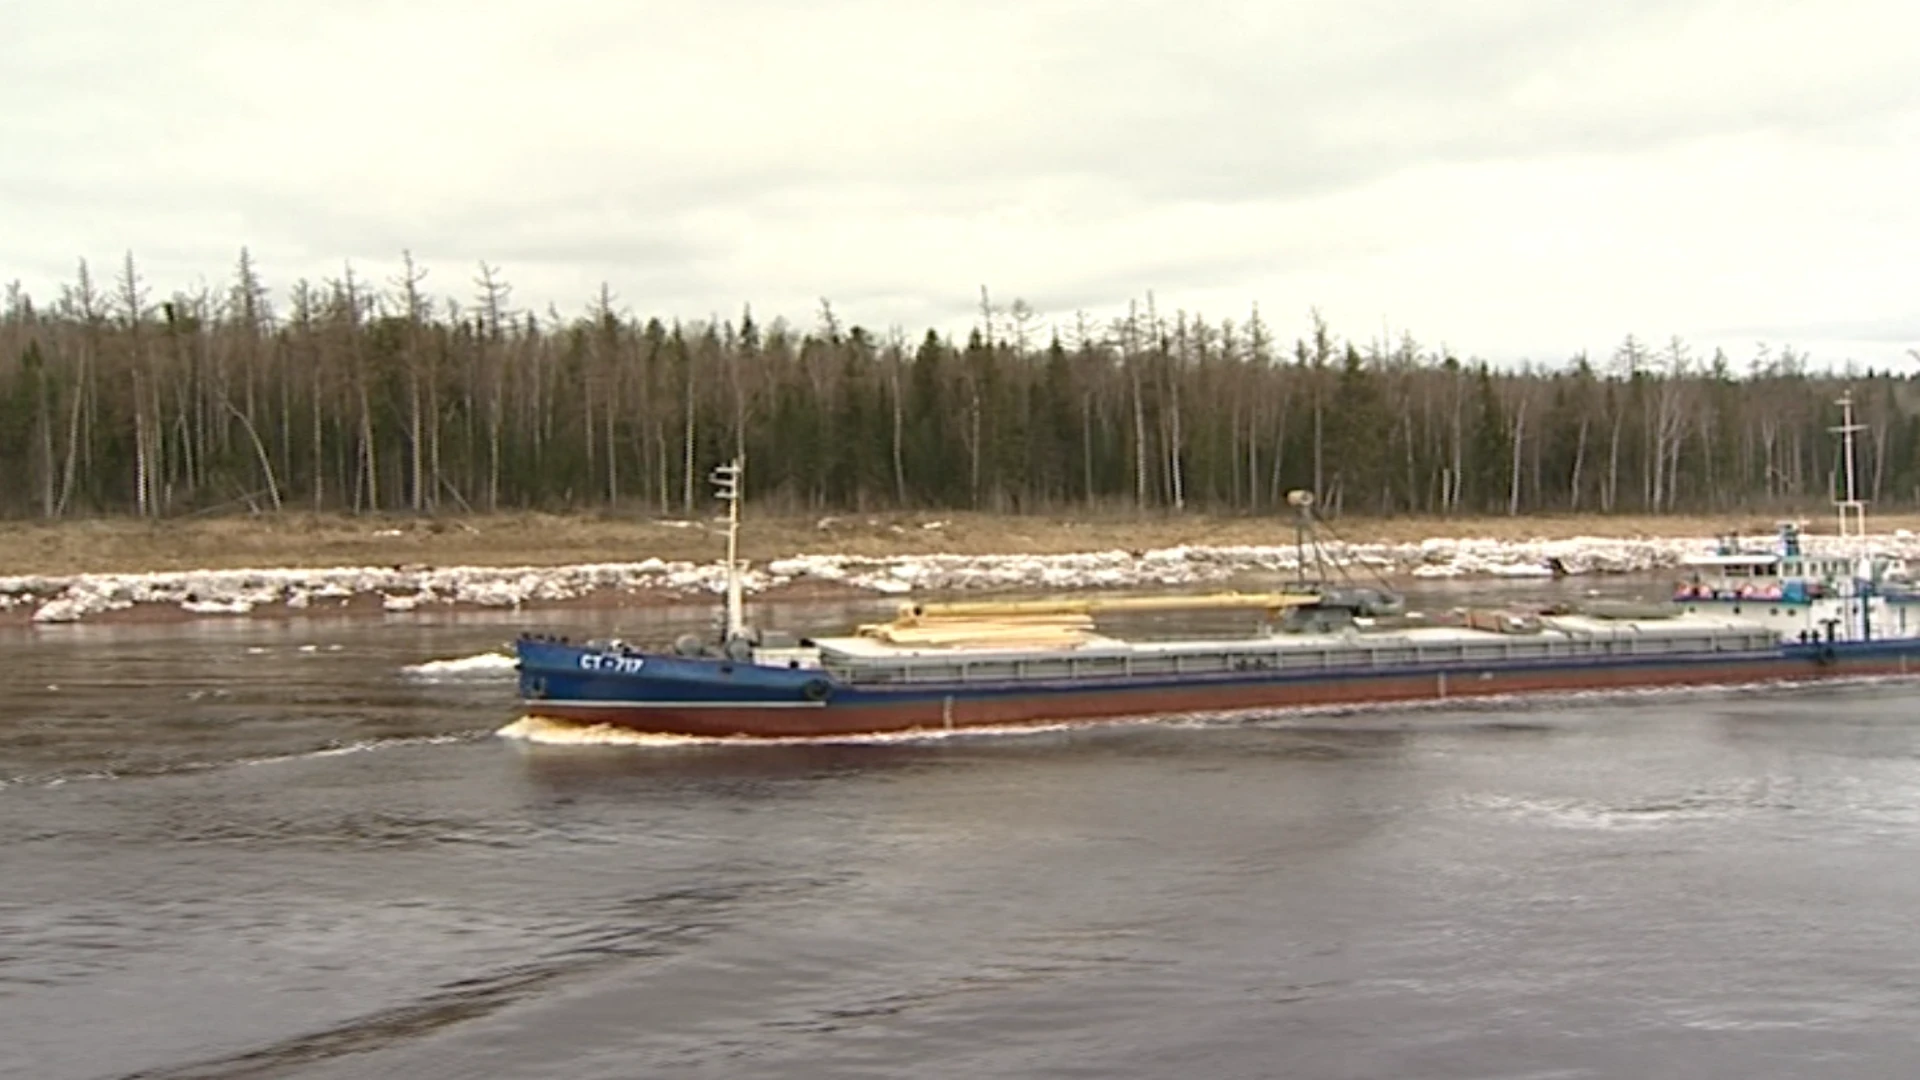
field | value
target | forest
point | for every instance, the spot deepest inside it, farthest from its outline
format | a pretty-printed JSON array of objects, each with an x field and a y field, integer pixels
[{"x": 357, "y": 396}]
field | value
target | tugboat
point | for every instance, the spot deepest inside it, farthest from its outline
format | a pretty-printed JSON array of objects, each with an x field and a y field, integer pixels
[
  {"x": 942, "y": 666},
  {"x": 1854, "y": 595}
]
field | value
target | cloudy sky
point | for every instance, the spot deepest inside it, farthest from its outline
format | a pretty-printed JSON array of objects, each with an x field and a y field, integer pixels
[{"x": 1514, "y": 178}]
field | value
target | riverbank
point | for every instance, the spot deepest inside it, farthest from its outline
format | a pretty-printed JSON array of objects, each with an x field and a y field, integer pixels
[
  {"x": 128, "y": 546},
  {"x": 299, "y": 565}
]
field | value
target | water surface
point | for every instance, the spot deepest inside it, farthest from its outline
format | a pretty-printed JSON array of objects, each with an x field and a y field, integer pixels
[{"x": 264, "y": 849}]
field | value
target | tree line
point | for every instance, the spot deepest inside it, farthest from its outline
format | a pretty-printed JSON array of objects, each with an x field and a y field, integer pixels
[{"x": 365, "y": 397}]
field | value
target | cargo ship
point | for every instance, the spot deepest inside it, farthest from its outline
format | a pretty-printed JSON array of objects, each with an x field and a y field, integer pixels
[{"x": 1741, "y": 617}]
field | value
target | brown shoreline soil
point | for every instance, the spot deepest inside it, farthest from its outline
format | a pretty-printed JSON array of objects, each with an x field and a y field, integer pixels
[{"x": 125, "y": 545}]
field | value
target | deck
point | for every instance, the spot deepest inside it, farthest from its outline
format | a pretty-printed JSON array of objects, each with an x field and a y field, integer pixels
[{"x": 863, "y": 660}]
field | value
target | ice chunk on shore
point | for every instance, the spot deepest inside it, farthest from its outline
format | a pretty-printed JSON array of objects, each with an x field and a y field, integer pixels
[
  {"x": 80, "y": 596},
  {"x": 479, "y": 665}
]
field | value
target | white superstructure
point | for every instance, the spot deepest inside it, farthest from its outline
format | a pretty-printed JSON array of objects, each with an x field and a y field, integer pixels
[{"x": 1848, "y": 594}]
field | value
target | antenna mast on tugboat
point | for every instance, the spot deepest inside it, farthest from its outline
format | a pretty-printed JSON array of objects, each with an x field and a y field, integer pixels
[
  {"x": 728, "y": 485},
  {"x": 1853, "y": 525},
  {"x": 1853, "y": 512}
]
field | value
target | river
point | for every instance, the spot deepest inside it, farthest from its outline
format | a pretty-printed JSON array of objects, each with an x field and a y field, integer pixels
[{"x": 258, "y": 848}]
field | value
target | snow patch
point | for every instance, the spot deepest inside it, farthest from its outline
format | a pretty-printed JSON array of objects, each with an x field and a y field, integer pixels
[
  {"x": 411, "y": 588},
  {"x": 399, "y": 588}
]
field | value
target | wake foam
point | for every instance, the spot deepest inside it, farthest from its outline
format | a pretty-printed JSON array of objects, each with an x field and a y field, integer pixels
[
  {"x": 1685, "y": 809},
  {"x": 358, "y": 746},
  {"x": 186, "y": 768},
  {"x": 535, "y": 729}
]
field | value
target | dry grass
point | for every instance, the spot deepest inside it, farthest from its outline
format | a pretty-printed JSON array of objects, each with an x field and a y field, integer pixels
[{"x": 124, "y": 545}]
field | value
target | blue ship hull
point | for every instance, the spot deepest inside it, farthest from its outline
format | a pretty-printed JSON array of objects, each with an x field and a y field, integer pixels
[{"x": 670, "y": 694}]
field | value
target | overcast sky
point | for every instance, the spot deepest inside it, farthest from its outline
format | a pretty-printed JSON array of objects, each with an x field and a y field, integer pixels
[{"x": 1514, "y": 178}]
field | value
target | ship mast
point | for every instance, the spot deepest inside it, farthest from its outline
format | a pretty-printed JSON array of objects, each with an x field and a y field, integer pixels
[
  {"x": 1853, "y": 525},
  {"x": 728, "y": 486},
  {"x": 1852, "y": 512}
]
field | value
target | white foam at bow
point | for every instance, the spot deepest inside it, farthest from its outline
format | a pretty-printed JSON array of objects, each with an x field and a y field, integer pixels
[{"x": 537, "y": 729}]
